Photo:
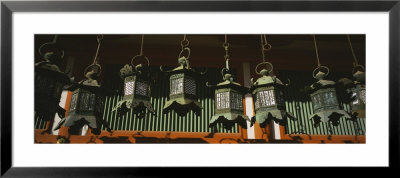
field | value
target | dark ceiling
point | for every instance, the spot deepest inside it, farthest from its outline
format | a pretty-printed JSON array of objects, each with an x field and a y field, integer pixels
[{"x": 289, "y": 52}]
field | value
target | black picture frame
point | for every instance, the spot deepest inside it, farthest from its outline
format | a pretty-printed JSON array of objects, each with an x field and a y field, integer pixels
[{"x": 8, "y": 7}]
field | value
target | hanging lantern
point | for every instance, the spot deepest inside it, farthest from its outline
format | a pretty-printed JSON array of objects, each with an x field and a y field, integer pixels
[
  {"x": 323, "y": 96},
  {"x": 358, "y": 90},
  {"x": 183, "y": 87},
  {"x": 354, "y": 91},
  {"x": 49, "y": 82},
  {"x": 86, "y": 106},
  {"x": 228, "y": 99},
  {"x": 267, "y": 91},
  {"x": 136, "y": 88}
]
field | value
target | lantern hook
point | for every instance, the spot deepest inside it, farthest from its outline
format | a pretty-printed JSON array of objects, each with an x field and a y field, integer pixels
[
  {"x": 358, "y": 67},
  {"x": 185, "y": 43},
  {"x": 137, "y": 56},
  {"x": 267, "y": 47},
  {"x": 93, "y": 67},
  {"x": 268, "y": 64},
  {"x": 319, "y": 69}
]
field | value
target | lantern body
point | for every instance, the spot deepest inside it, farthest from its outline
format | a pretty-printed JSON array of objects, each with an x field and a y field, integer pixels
[
  {"x": 324, "y": 99},
  {"x": 183, "y": 92},
  {"x": 358, "y": 104},
  {"x": 182, "y": 86},
  {"x": 136, "y": 92},
  {"x": 86, "y": 108},
  {"x": 49, "y": 83},
  {"x": 229, "y": 105},
  {"x": 269, "y": 103},
  {"x": 325, "y": 102}
]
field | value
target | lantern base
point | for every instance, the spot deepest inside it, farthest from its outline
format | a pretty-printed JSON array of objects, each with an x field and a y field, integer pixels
[
  {"x": 182, "y": 106},
  {"x": 333, "y": 116},
  {"x": 229, "y": 120},
  {"x": 77, "y": 121},
  {"x": 279, "y": 116},
  {"x": 138, "y": 106}
]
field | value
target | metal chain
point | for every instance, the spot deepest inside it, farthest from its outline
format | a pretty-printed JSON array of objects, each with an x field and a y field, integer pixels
[
  {"x": 316, "y": 50},
  {"x": 226, "y": 47},
  {"x": 141, "y": 46},
  {"x": 184, "y": 42},
  {"x": 55, "y": 38},
  {"x": 265, "y": 46},
  {"x": 262, "y": 49},
  {"x": 99, "y": 38},
  {"x": 352, "y": 52}
]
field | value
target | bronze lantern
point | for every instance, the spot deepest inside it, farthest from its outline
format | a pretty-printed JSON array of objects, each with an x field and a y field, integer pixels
[
  {"x": 49, "y": 83},
  {"x": 229, "y": 99},
  {"x": 358, "y": 93},
  {"x": 136, "y": 88},
  {"x": 324, "y": 100},
  {"x": 323, "y": 94},
  {"x": 87, "y": 102},
  {"x": 268, "y": 97},
  {"x": 354, "y": 90},
  {"x": 183, "y": 86}
]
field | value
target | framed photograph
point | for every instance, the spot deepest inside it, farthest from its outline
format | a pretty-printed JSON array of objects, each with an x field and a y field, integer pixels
[{"x": 156, "y": 82}]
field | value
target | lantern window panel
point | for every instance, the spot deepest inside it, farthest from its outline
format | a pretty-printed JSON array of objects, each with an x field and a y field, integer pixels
[
  {"x": 329, "y": 98},
  {"x": 92, "y": 102},
  {"x": 223, "y": 101},
  {"x": 317, "y": 101},
  {"x": 190, "y": 86},
  {"x": 141, "y": 88},
  {"x": 265, "y": 98},
  {"x": 236, "y": 101},
  {"x": 356, "y": 98},
  {"x": 129, "y": 87},
  {"x": 87, "y": 101},
  {"x": 74, "y": 101},
  {"x": 362, "y": 96},
  {"x": 176, "y": 86},
  {"x": 279, "y": 98}
]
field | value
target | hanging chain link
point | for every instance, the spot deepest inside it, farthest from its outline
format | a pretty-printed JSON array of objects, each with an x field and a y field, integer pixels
[
  {"x": 265, "y": 46},
  {"x": 185, "y": 47},
  {"x": 55, "y": 39},
  {"x": 141, "y": 46},
  {"x": 99, "y": 38},
  {"x": 141, "y": 54},
  {"x": 352, "y": 52},
  {"x": 184, "y": 42},
  {"x": 226, "y": 47},
  {"x": 316, "y": 51}
]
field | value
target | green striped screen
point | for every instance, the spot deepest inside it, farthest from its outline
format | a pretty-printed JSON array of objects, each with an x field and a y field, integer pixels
[
  {"x": 300, "y": 105},
  {"x": 39, "y": 122},
  {"x": 161, "y": 121}
]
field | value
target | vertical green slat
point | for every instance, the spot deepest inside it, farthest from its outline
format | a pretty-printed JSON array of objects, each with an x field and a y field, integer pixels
[
  {"x": 310, "y": 122},
  {"x": 112, "y": 122},
  {"x": 363, "y": 125},
  {"x": 108, "y": 111},
  {"x": 104, "y": 113}
]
